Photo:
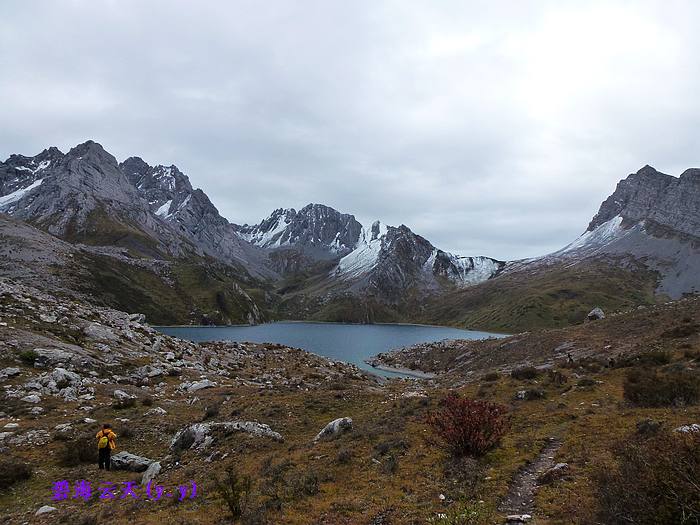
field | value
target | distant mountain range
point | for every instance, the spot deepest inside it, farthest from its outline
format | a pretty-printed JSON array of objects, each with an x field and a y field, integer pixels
[{"x": 140, "y": 237}]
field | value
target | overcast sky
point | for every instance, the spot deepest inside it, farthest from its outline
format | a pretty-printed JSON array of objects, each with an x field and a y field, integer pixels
[{"x": 490, "y": 128}]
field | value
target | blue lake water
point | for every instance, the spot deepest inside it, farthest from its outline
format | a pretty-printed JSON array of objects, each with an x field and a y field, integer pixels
[{"x": 352, "y": 343}]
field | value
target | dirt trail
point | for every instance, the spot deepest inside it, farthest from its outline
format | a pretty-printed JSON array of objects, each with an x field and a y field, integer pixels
[{"x": 520, "y": 498}]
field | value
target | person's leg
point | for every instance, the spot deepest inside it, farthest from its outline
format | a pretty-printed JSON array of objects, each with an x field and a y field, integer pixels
[
  {"x": 108, "y": 458},
  {"x": 100, "y": 458}
]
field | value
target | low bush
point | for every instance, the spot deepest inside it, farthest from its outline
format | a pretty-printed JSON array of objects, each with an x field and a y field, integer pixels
[
  {"x": 467, "y": 427},
  {"x": 655, "y": 480},
  {"x": 648, "y": 427},
  {"x": 78, "y": 451},
  {"x": 654, "y": 358},
  {"x": 13, "y": 470},
  {"x": 234, "y": 489},
  {"x": 555, "y": 377},
  {"x": 147, "y": 400},
  {"x": 385, "y": 447},
  {"x": 526, "y": 372},
  {"x": 390, "y": 465},
  {"x": 650, "y": 388},
  {"x": 684, "y": 330},
  {"x": 491, "y": 376},
  {"x": 211, "y": 411},
  {"x": 124, "y": 431},
  {"x": 532, "y": 394},
  {"x": 28, "y": 356},
  {"x": 344, "y": 456},
  {"x": 585, "y": 382},
  {"x": 128, "y": 402}
]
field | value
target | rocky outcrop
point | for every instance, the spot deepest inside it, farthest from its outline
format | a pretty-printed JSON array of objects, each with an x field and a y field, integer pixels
[
  {"x": 334, "y": 429},
  {"x": 83, "y": 196},
  {"x": 200, "y": 435},
  {"x": 151, "y": 472},
  {"x": 131, "y": 462},
  {"x": 651, "y": 220},
  {"x": 316, "y": 229},
  {"x": 665, "y": 203},
  {"x": 595, "y": 314}
]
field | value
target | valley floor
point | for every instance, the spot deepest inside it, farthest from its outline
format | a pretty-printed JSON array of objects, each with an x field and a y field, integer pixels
[{"x": 62, "y": 363}]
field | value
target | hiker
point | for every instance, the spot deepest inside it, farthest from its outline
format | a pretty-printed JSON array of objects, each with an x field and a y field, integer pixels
[{"x": 105, "y": 445}]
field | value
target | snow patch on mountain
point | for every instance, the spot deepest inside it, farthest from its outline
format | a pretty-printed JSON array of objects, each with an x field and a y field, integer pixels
[
  {"x": 267, "y": 238},
  {"x": 467, "y": 271},
  {"x": 16, "y": 195},
  {"x": 365, "y": 256},
  {"x": 597, "y": 238},
  {"x": 164, "y": 209}
]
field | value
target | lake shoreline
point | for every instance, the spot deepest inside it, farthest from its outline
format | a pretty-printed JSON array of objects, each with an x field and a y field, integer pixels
[
  {"x": 295, "y": 321},
  {"x": 358, "y": 344},
  {"x": 413, "y": 374}
]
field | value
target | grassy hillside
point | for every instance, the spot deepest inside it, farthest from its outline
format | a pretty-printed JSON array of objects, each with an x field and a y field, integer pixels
[
  {"x": 549, "y": 297},
  {"x": 187, "y": 291}
]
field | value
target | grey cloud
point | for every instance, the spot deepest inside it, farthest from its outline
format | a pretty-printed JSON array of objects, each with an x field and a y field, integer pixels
[{"x": 489, "y": 128}]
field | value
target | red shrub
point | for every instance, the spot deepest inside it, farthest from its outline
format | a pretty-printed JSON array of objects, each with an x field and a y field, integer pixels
[{"x": 468, "y": 427}]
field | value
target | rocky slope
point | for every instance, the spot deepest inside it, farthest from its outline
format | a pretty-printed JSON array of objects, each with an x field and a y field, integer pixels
[
  {"x": 189, "y": 211},
  {"x": 654, "y": 218},
  {"x": 320, "y": 441},
  {"x": 322, "y": 264},
  {"x": 83, "y": 196},
  {"x": 641, "y": 247}
]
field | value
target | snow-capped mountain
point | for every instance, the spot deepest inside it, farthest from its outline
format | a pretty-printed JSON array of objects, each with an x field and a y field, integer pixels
[
  {"x": 318, "y": 230},
  {"x": 172, "y": 199},
  {"x": 83, "y": 196},
  {"x": 386, "y": 259},
  {"x": 86, "y": 196},
  {"x": 653, "y": 218}
]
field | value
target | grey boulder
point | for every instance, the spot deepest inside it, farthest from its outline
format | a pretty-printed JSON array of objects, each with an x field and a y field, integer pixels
[
  {"x": 335, "y": 428},
  {"x": 127, "y": 461}
]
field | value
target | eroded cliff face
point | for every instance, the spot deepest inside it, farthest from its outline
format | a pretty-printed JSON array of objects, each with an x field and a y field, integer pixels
[{"x": 665, "y": 203}]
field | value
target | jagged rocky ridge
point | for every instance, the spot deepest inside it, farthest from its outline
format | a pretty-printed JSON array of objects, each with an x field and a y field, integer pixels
[
  {"x": 153, "y": 212},
  {"x": 650, "y": 217},
  {"x": 152, "y": 216},
  {"x": 384, "y": 259}
]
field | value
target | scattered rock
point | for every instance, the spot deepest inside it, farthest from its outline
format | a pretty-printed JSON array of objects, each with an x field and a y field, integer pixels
[
  {"x": 64, "y": 378},
  {"x": 151, "y": 472},
  {"x": 518, "y": 518},
  {"x": 63, "y": 427},
  {"x": 196, "y": 385},
  {"x": 595, "y": 314},
  {"x": 31, "y": 398},
  {"x": 45, "y": 510},
  {"x": 127, "y": 461},
  {"x": 137, "y": 318},
  {"x": 688, "y": 428},
  {"x": 8, "y": 372},
  {"x": 11, "y": 426},
  {"x": 156, "y": 411},
  {"x": 335, "y": 428},
  {"x": 122, "y": 396},
  {"x": 199, "y": 436},
  {"x": 553, "y": 474},
  {"x": 99, "y": 332}
]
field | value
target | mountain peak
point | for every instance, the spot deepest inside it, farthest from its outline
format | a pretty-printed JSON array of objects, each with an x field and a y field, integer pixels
[{"x": 93, "y": 151}]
